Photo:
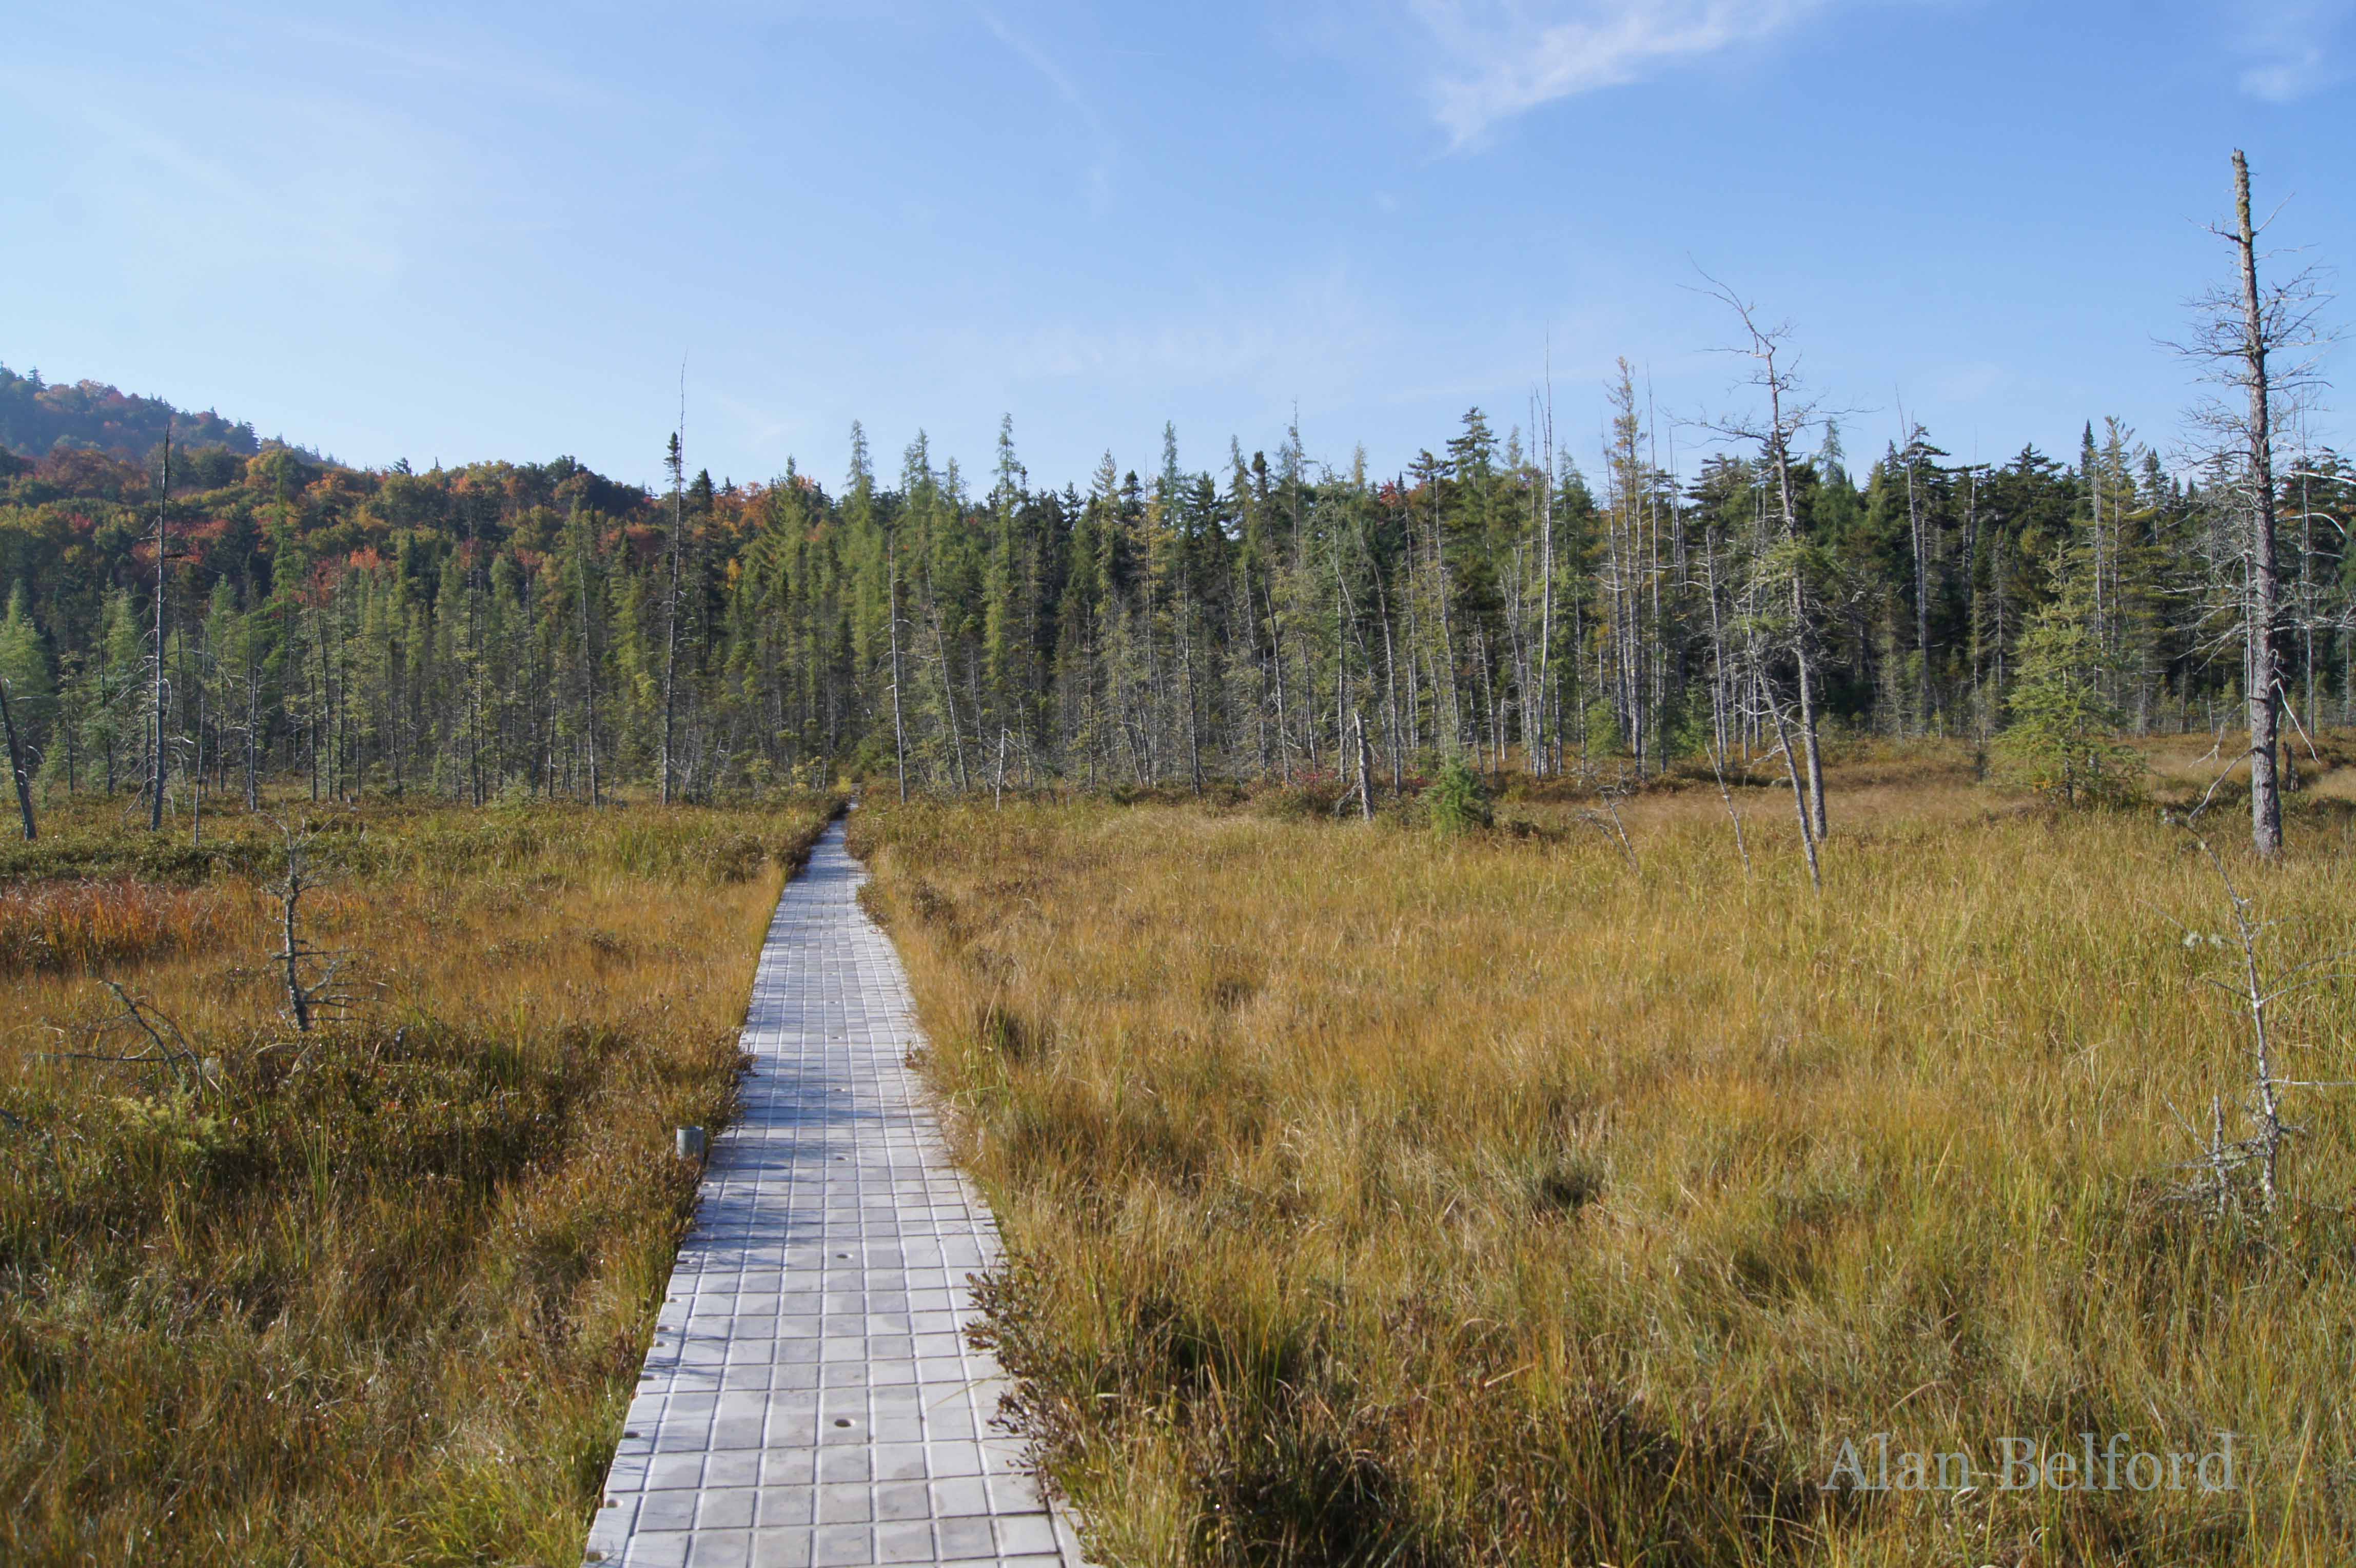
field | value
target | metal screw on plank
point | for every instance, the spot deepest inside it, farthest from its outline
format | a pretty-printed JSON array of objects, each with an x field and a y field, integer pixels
[{"x": 692, "y": 1142}]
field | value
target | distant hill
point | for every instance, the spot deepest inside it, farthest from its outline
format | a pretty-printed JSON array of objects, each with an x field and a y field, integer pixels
[{"x": 38, "y": 417}]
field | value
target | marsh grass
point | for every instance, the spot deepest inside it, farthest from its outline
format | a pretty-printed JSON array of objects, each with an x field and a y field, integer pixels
[
  {"x": 378, "y": 1294},
  {"x": 83, "y": 928},
  {"x": 1380, "y": 1197}
]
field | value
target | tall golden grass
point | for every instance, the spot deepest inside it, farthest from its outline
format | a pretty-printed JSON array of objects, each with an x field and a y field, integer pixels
[
  {"x": 376, "y": 1295},
  {"x": 86, "y": 927},
  {"x": 1378, "y": 1199}
]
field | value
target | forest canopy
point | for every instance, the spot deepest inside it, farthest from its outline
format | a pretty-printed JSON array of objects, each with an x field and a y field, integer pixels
[{"x": 540, "y": 628}]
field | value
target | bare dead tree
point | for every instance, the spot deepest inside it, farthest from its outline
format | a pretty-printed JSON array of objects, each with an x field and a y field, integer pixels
[
  {"x": 1926, "y": 694},
  {"x": 1787, "y": 414},
  {"x": 16, "y": 766},
  {"x": 1799, "y": 795},
  {"x": 194, "y": 711},
  {"x": 2229, "y": 1165},
  {"x": 588, "y": 652},
  {"x": 1538, "y": 746},
  {"x": 251, "y": 684},
  {"x": 677, "y": 462},
  {"x": 309, "y": 973},
  {"x": 1726, "y": 798},
  {"x": 892, "y": 618},
  {"x": 2263, "y": 341},
  {"x": 1761, "y": 705},
  {"x": 155, "y": 714}
]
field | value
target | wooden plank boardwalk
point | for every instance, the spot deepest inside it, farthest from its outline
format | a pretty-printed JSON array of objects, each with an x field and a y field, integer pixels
[{"x": 809, "y": 1399}]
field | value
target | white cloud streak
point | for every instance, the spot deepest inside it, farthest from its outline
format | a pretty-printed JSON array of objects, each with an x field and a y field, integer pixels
[
  {"x": 1100, "y": 173},
  {"x": 2289, "y": 45},
  {"x": 292, "y": 181},
  {"x": 1315, "y": 335},
  {"x": 1508, "y": 56}
]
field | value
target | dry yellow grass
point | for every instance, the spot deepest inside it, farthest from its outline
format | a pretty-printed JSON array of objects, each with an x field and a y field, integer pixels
[
  {"x": 379, "y": 1295},
  {"x": 1373, "y": 1198}
]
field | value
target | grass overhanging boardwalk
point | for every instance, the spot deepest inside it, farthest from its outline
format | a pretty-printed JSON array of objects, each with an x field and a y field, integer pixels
[{"x": 810, "y": 1398}]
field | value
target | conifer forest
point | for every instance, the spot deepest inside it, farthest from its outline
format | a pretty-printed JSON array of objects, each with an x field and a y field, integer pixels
[{"x": 535, "y": 629}]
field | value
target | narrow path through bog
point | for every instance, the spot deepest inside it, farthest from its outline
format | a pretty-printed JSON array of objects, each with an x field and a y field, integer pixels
[{"x": 810, "y": 1398}]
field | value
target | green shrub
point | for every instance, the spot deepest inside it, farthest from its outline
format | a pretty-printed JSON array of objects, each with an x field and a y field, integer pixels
[
  {"x": 2062, "y": 740},
  {"x": 1456, "y": 801}
]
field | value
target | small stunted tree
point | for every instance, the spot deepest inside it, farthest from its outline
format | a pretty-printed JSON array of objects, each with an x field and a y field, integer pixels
[
  {"x": 310, "y": 973},
  {"x": 1456, "y": 801},
  {"x": 2230, "y": 1171},
  {"x": 2063, "y": 737}
]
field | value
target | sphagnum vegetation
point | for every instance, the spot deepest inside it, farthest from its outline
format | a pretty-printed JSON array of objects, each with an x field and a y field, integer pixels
[
  {"x": 374, "y": 1292},
  {"x": 1379, "y": 1197}
]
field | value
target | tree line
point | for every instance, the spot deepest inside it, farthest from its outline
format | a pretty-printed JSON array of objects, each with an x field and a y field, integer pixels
[
  {"x": 502, "y": 627},
  {"x": 206, "y": 620}
]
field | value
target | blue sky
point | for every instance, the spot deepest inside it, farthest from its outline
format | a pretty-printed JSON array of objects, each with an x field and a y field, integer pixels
[{"x": 497, "y": 232}]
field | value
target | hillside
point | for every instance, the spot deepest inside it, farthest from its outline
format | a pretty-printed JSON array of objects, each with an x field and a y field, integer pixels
[{"x": 36, "y": 417}]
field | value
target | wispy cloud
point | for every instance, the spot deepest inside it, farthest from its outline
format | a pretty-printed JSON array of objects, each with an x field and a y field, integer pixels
[
  {"x": 288, "y": 181},
  {"x": 1315, "y": 335},
  {"x": 1506, "y": 57},
  {"x": 1970, "y": 380},
  {"x": 2289, "y": 43},
  {"x": 1099, "y": 173}
]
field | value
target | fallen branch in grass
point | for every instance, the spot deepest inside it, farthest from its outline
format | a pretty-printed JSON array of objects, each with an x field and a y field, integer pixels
[
  {"x": 168, "y": 1045},
  {"x": 1609, "y": 821}
]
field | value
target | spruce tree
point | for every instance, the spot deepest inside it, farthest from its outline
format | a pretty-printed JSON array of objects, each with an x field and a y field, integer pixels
[{"x": 2063, "y": 734}]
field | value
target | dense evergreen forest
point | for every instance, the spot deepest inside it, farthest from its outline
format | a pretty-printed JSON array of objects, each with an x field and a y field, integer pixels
[{"x": 537, "y": 630}]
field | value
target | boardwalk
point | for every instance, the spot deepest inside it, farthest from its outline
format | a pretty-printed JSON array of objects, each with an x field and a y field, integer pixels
[{"x": 809, "y": 1399}]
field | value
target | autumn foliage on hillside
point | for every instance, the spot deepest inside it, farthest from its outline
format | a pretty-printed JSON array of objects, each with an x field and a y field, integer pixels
[{"x": 38, "y": 417}]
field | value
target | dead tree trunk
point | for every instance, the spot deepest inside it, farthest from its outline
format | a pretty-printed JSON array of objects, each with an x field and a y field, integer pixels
[
  {"x": 1785, "y": 416},
  {"x": 1927, "y": 698},
  {"x": 2265, "y": 795},
  {"x": 892, "y": 618},
  {"x": 1799, "y": 799},
  {"x": 670, "y": 618},
  {"x": 156, "y": 726},
  {"x": 17, "y": 766},
  {"x": 588, "y": 657},
  {"x": 1799, "y": 618}
]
